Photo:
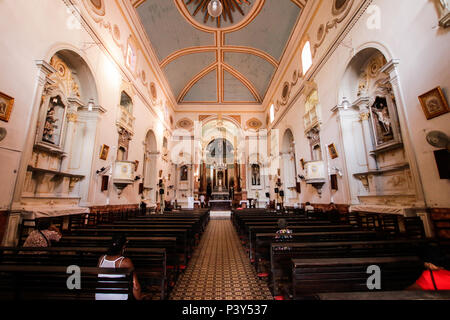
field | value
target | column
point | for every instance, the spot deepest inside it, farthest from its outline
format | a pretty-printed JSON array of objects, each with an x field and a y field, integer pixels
[
  {"x": 44, "y": 69},
  {"x": 394, "y": 79},
  {"x": 72, "y": 119},
  {"x": 364, "y": 114}
]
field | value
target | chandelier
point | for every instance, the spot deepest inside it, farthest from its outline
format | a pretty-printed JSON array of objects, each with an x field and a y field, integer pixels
[{"x": 218, "y": 9}]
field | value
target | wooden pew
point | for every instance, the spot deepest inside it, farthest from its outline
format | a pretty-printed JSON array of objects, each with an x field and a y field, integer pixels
[
  {"x": 313, "y": 276},
  {"x": 263, "y": 240},
  {"x": 184, "y": 246},
  {"x": 244, "y": 227},
  {"x": 386, "y": 295},
  {"x": 25, "y": 282},
  {"x": 174, "y": 260},
  {"x": 149, "y": 263},
  {"x": 297, "y": 229},
  {"x": 281, "y": 254}
]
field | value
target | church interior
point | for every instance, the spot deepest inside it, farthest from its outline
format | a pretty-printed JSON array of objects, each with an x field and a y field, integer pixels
[{"x": 231, "y": 149}]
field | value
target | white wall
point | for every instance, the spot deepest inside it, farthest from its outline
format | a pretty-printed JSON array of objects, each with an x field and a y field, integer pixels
[
  {"x": 422, "y": 51},
  {"x": 35, "y": 30}
]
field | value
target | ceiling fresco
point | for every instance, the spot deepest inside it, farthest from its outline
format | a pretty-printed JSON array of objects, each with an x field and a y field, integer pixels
[{"x": 229, "y": 59}]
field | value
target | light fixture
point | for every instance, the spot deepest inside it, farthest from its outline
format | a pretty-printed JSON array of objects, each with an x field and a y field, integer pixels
[
  {"x": 345, "y": 103},
  {"x": 215, "y": 8},
  {"x": 90, "y": 105}
]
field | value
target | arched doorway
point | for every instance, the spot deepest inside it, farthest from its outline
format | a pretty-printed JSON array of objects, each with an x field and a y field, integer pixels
[
  {"x": 220, "y": 164},
  {"x": 65, "y": 133},
  {"x": 289, "y": 172},
  {"x": 150, "y": 168},
  {"x": 378, "y": 168}
]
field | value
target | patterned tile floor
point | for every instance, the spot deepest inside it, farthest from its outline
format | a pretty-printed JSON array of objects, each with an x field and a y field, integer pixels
[{"x": 220, "y": 269}]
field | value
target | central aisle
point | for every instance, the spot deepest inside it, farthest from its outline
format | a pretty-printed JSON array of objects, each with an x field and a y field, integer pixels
[{"x": 220, "y": 269}]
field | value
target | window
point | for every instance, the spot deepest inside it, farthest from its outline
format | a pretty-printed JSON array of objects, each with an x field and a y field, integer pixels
[
  {"x": 272, "y": 113},
  {"x": 306, "y": 57},
  {"x": 317, "y": 153},
  {"x": 121, "y": 154},
  {"x": 126, "y": 102}
]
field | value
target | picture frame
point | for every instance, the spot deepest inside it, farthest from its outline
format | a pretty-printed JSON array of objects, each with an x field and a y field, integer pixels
[
  {"x": 434, "y": 103},
  {"x": 105, "y": 182},
  {"x": 334, "y": 182},
  {"x": 6, "y": 106},
  {"x": 333, "y": 152},
  {"x": 104, "y": 152}
]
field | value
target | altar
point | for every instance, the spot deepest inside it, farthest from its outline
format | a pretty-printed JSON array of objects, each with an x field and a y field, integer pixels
[{"x": 220, "y": 205}]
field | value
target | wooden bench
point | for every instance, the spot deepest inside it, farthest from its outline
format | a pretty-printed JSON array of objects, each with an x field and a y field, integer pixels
[
  {"x": 263, "y": 240},
  {"x": 386, "y": 295},
  {"x": 313, "y": 276},
  {"x": 25, "y": 282},
  {"x": 174, "y": 260},
  {"x": 184, "y": 246},
  {"x": 244, "y": 227},
  {"x": 282, "y": 254},
  {"x": 149, "y": 263}
]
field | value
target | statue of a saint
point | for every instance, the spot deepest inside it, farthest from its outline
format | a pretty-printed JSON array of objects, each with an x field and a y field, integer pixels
[{"x": 382, "y": 114}]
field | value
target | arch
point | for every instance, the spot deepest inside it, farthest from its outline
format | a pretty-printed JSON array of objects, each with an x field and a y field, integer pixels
[
  {"x": 150, "y": 166},
  {"x": 307, "y": 58},
  {"x": 349, "y": 82},
  {"x": 378, "y": 46},
  {"x": 72, "y": 55},
  {"x": 289, "y": 171}
]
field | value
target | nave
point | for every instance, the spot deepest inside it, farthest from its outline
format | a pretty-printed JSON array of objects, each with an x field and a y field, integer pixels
[{"x": 220, "y": 269}]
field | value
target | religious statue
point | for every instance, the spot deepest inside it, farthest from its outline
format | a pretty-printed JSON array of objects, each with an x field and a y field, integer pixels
[
  {"x": 184, "y": 173},
  {"x": 50, "y": 125},
  {"x": 256, "y": 179},
  {"x": 362, "y": 86},
  {"x": 381, "y": 111}
]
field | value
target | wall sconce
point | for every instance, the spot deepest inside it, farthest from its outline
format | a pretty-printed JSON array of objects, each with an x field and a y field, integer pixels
[
  {"x": 345, "y": 103},
  {"x": 101, "y": 170},
  {"x": 338, "y": 171},
  {"x": 90, "y": 105}
]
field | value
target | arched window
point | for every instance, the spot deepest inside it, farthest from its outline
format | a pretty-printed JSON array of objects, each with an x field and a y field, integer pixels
[
  {"x": 306, "y": 57},
  {"x": 272, "y": 113}
]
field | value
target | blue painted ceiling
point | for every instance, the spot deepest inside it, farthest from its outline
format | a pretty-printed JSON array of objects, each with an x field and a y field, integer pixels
[{"x": 234, "y": 68}]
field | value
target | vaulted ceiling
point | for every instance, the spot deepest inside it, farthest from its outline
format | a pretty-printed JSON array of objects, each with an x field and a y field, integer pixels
[{"x": 228, "y": 60}]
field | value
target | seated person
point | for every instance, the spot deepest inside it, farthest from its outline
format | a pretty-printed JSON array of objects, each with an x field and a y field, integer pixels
[
  {"x": 435, "y": 277},
  {"x": 43, "y": 236},
  {"x": 309, "y": 207},
  {"x": 332, "y": 212},
  {"x": 202, "y": 201},
  {"x": 114, "y": 258},
  {"x": 283, "y": 233}
]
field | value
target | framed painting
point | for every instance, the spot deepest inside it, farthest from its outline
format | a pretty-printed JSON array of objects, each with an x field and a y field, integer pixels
[
  {"x": 104, "y": 152},
  {"x": 6, "y": 105},
  {"x": 434, "y": 103},
  {"x": 333, "y": 151}
]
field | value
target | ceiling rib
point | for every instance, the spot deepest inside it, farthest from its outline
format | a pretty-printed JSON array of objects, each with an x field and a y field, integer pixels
[
  {"x": 243, "y": 79},
  {"x": 239, "y": 49},
  {"x": 195, "y": 79}
]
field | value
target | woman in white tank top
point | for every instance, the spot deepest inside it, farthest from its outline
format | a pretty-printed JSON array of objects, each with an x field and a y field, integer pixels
[{"x": 114, "y": 259}]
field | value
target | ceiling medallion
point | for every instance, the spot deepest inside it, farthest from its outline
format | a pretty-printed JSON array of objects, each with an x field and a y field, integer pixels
[
  {"x": 153, "y": 91},
  {"x": 219, "y": 10},
  {"x": 254, "y": 124},
  {"x": 97, "y": 6},
  {"x": 339, "y": 6},
  {"x": 185, "y": 123}
]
